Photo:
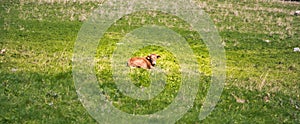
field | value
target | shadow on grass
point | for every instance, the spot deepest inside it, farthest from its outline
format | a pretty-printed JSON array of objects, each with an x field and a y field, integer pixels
[
  {"x": 38, "y": 97},
  {"x": 31, "y": 97},
  {"x": 259, "y": 107}
]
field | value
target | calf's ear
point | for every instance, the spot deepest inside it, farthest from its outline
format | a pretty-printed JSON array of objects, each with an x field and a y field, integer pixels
[{"x": 158, "y": 56}]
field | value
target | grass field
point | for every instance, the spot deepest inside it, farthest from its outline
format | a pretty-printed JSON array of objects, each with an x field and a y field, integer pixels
[{"x": 263, "y": 71}]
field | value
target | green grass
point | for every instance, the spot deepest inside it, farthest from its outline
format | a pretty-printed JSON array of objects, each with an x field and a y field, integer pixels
[{"x": 36, "y": 71}]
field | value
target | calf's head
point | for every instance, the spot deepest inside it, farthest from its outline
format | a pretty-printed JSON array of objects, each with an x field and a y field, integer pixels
[{"x": 152, "y": 58}]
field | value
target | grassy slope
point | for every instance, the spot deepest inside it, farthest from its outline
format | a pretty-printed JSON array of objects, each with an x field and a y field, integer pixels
[{"x": 36, "y": 77}]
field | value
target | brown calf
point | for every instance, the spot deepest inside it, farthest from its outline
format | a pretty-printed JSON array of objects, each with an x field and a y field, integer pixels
[{"x": 145, "y": 62}]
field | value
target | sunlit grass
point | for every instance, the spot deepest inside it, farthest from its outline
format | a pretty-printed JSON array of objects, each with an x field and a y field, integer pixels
[{"x": 36, "y": 71}]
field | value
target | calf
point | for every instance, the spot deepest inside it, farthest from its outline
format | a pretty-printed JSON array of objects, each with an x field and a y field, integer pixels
[{"x": 147, "y": 62}]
